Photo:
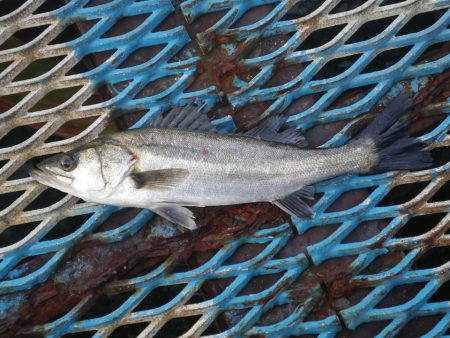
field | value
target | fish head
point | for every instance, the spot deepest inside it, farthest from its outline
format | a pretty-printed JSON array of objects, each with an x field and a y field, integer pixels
[{"x": 91, "y": 172}]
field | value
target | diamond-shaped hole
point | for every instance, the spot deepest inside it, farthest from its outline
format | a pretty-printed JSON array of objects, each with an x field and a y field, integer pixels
[
  {"x": 102, "y": 93},
  {"x": 55, "y": 98},
  {"x": 433, "y": 258},
  {"x": 391, "y": 2},
  {"x": 320, "y": 37},
  {"x": 10, "y": 6},
  {"x": 213, "y": 287},
  {"x": 142, "y": 267},
  {"x": 322, "y": 133},
  {"x": 386, "y": 59},
  {"x": 245, "y": 252},
  {"x": 23, "y": 37},
  {"x": 71, "y": 128},
  {"x": 66, "y": 226},
  {"x": 16, "y": 136},
  {"x": 125, "y": 25},
  {"x": 426, "y": 124},
  {"x": 16, "y": 233},
  {"x": 117, "y": 219},
  {"x": 402, "y": 193},
  {"x": 48, "y": 6},
  {"x": 160, "y": 296},
  {"x": 28, "y": 265},
  {"x": 370, "y": 29},
  {"x": 349, "y": 199},
  {"x": 4, "y": 65},
  {"x": 370, "y": 329},
  {"x": 301, "y": 9},
  {"x": 365, "y": 231},
  {"x": 383, "y": 263},
  {"x": 400, "y": 294},
  {"x": 157, "y": 86},
  {"x": 141, "y": 55},
  {"x": 38, "y": 68},
  {"x": 433, "y": 52},
  {"x": 104, "y": 305},
  {"x": 419, "y": 326},
  {"x": 196, "y": 298},
  {"x": 71, "y": 32},
  {"x": 442, "y": 294},
  {"x": 260, "y": 283},
  {"x": 443, "y": 194},
  {"x": 84, "y": 334},
  {"x": 213, "y": 329},
  {"x": 176, "y": 327},
  {"x": 284, "y": 75},
  {"x": 253, "y": 15},
  {"x": 94, "y": 3},
  {"x": 91, "y": 61},
  {"x": 45, "y": 199},
  {"x": 440, "y": 156},
  {"x": 276, "y": 314},
  {"x": 351, "y": 96},
  {"x": 9, "y": 101},
  {"x": 186, "y": 53},
  {"x": 419, "y": 225},
  {"x": 347, "y": 5},
  {"x": 172, "y": 21},
  {"x": 335, "y": 67},
  {"x": 266, "y": 46},
  {"x": 130, "y": 330},
  {"x": 421, "y": 21}
]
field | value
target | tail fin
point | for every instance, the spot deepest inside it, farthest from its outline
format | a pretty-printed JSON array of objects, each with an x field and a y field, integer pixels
[{"x": 396, "y": 149}]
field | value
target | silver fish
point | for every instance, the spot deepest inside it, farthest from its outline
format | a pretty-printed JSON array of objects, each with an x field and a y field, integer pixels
[{"x": 167, "y": 170}]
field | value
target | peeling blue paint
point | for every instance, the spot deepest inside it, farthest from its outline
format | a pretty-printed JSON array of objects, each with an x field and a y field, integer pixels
[{"x": 403, "y": 76}]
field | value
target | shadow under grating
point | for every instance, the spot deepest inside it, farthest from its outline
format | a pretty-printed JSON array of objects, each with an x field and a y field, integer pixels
[{"x": 375, "y": 260}]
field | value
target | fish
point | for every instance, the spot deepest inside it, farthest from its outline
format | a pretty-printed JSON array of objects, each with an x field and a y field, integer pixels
[{"x": 183, "y": 162}]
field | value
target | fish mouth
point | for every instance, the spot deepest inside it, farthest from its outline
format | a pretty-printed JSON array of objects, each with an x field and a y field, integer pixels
[{"x": 46, "y": 177}]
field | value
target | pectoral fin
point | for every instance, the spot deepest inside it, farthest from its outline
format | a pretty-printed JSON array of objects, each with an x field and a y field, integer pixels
[
  {"x": 295, "y": 206},
  {"x": 164, "y": 179},
  {"x": 178, "y": 215}
]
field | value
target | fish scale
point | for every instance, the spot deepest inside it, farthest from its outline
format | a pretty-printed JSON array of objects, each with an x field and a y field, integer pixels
[{"x": 166, "y": 170}]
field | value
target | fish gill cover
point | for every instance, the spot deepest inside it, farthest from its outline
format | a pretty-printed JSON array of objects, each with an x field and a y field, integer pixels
[{"x": 374, "y": 261}]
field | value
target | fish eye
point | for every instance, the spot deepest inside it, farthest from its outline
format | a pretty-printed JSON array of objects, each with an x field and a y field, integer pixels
[{"x": 67, "y": 163}]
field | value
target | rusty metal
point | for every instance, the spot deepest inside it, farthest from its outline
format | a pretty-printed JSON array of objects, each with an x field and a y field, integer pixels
[{"x": 375, "y": 260}]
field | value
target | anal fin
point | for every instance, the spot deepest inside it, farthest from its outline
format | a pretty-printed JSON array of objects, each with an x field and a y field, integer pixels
[
  {"x": 307, "y": 192},
  {"x": 178, "y": 215},
  {"x": 295, "y": 206}
]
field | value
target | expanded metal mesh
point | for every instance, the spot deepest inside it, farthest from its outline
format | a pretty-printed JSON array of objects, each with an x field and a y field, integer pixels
[{"x": 376, "y": 257}]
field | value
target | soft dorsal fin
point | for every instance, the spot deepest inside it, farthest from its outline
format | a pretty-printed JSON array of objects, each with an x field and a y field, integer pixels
[
  {"x": 295, "y": 206},
  {"x": 269, "y": 130},
  {"x": 163, "y": 179},
  {"x": 189, "y": 117}
]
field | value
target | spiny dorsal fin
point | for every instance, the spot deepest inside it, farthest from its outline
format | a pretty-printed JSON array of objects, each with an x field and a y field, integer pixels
[
  {"x": 295, "y": 206},
  {"x": 163, "y": 179},
  {"x": 178, "y": 215},
  {"x": 190, "y": 117},
  {"x": 268, "y": 130}
]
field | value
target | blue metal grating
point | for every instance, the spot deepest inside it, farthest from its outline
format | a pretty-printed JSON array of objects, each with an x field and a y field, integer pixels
[{"x": 373, "y": 260}]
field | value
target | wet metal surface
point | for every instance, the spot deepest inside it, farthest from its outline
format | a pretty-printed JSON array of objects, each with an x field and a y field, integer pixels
[{"x": 375, "y": 260}]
